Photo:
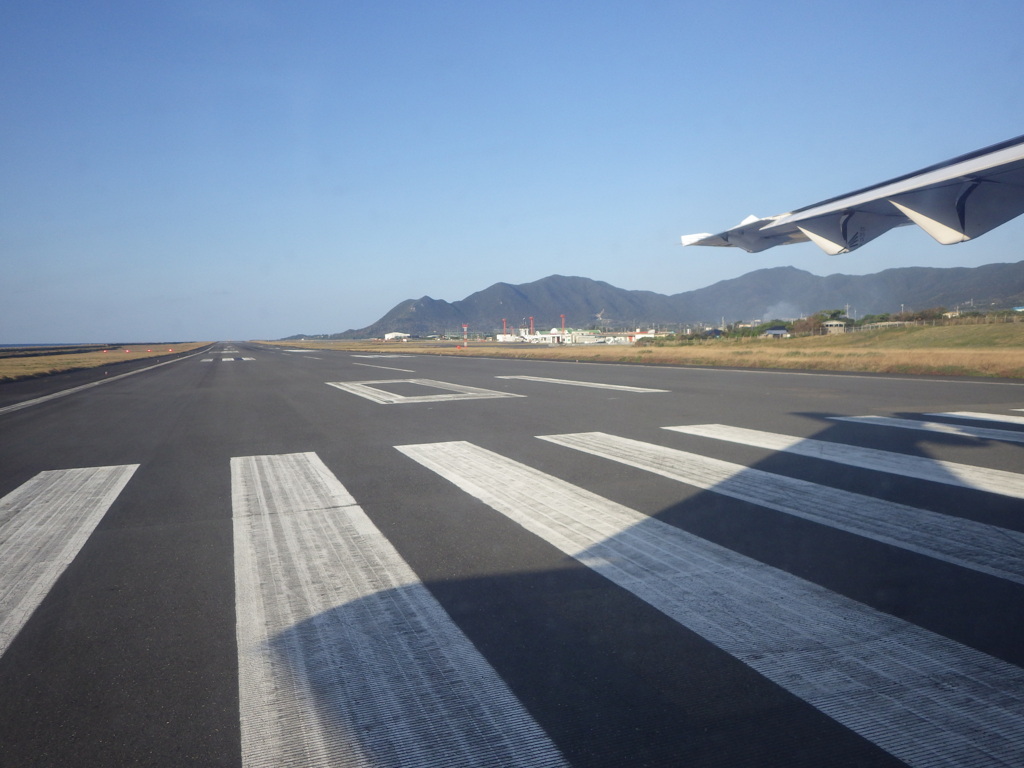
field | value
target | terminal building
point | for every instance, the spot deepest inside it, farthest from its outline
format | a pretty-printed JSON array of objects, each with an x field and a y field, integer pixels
[{"x": 576, "y": 337}]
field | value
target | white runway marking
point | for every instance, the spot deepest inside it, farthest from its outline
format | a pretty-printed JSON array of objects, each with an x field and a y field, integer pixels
[
  {"x": 43, "y": 525},
  {"x": 981, "y": 433},
  {"x": 90, "y": 385},
  {"x": 377, "y": 395},
  {"x": 981, "y": 416},
  {"x": 381, "y": 357},
  {"x": 934, "y": 470},
  {"x": 385, "y": 367},
  {"x": 345, "y": 658},
  {"x": 980, "y": 547},
  {"x": 596, "y": 385},
  {"x": 925, "y": 699}
]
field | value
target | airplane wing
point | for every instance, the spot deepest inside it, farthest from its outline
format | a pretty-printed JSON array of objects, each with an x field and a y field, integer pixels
[{"x": 953, "y": 201}]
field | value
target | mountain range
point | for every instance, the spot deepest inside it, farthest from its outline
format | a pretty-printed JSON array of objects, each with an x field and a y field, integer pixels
[{"x": 765, "y": 294}]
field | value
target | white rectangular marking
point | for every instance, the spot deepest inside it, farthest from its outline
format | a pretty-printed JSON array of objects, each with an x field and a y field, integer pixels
[
  {"x": 933, "y": 470},
  {"x": 978, "y": 546},
  {"x": 925, "y": 699},
  {"x": 206, "y": 360},
  {"x": 595, "y": 384},
  {"x": 980, "y": 416},
  {"x": 377, "y": 395},
  {"x": 982, "y": 433},
  {"x": 344, "y": 656},
  {"x": 43, "y": 525}
]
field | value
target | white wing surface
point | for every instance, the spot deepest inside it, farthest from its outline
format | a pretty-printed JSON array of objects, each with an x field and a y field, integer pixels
[{"x": 953, "y": 201}]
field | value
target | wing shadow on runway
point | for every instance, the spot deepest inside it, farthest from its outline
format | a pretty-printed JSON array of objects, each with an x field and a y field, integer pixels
[{"x": 614, "y": 681}]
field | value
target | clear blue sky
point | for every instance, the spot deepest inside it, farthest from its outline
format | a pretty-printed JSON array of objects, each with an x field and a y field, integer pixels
[{"x": 214, "y": 169}]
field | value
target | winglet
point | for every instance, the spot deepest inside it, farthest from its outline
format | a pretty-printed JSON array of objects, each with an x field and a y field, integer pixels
[{"x": 693, "y": 239}]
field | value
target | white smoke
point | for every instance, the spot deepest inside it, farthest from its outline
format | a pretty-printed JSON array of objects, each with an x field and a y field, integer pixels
[{"x": 782, "y": 310}]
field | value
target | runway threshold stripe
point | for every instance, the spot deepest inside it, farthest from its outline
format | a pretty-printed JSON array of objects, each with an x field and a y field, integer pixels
[
  {"x": 933, "y": 470},
  {"x": 43, "y": 525},
  {"x": 981, "y": 433},
  {"x": 345, "y": 658},
  {"x": 981, "y": 416},
  {"x": 925, "y": 699},
  {"x": 978, "y": 546}
]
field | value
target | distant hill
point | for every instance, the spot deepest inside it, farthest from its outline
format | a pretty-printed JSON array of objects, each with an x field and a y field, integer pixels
[{"x": 777, "y": 292}]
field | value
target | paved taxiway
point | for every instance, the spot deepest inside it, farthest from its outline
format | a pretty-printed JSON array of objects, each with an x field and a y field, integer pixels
[{"x": 288, "y": 554}]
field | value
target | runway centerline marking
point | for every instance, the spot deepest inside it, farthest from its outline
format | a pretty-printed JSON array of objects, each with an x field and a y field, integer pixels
[
  {"x": 344, "y": 656},
  {"x": 925, "y": 699},
  {"x": 454, "y": 391},
  {"x": 43, "y": 525},
  {"x": 594, "y": 384},
  {"x": 933, "y": 470}
]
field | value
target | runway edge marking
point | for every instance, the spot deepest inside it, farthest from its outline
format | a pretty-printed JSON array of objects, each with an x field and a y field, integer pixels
[{"x": 90, "y": 385}]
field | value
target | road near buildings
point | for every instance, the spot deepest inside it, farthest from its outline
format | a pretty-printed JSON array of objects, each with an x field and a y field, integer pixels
[{"x": 257, "y": 556}]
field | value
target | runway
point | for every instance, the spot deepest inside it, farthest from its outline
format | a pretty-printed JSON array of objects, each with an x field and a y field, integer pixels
[{"x": 256, "y": 556}]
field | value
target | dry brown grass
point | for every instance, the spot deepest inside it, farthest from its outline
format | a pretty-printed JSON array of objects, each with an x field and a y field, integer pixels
[
  {"x": 980, "y": 350},
  {"x": 22, "y": 367}
]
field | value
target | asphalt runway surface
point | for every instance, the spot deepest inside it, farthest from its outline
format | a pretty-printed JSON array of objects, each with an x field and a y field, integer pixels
[{"x": 256, "y": 556}]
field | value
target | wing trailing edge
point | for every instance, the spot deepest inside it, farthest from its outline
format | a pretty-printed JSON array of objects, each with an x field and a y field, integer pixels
[{"x": 957, "y": 200}]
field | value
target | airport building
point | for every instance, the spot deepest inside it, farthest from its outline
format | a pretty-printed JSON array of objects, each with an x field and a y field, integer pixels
[{"x": 576, "y": 337}]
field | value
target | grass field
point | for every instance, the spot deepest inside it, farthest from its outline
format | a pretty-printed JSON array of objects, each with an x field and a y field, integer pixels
[
  {"x": 969, "y": 350},
  {"x": 21, "y": 363}
]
